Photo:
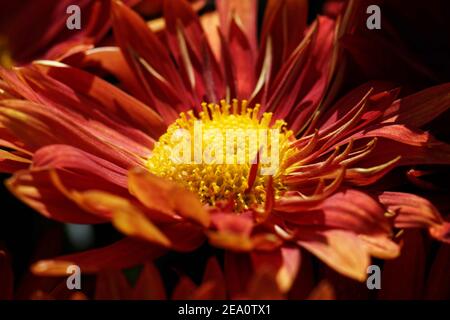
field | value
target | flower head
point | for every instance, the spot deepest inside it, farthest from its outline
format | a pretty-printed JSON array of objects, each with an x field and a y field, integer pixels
[{"x": 83, "y": 150}]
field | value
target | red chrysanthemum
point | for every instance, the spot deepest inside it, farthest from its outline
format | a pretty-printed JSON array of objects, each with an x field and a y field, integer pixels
[{"x": 83, "y": 150}]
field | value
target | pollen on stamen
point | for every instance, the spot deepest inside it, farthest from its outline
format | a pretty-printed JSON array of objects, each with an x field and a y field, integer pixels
[{"x": 212, "y": 152}]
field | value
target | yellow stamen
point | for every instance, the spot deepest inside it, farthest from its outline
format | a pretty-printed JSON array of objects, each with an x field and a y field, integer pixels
[{"x": 215, "y": 180}]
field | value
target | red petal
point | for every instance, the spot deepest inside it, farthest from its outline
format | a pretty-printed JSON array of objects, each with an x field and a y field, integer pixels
[
  {"x": 238, "y": 271},
  {"x": 420, "y": 108},
  {"x": 233, "y": 232},
  {"x": 11, "y": 162},
  {"x": 433, "y": 152},
  {"x": 283, "y": 263},
  {"x": 184, "y": 289},
  {"x": 262, "y": 286},
  {"x": 109, "y": 100},
  {"x": 80, "y": 162},
  {"x": 403, "y": 278},
  {"x": 281, "y": 17},
  {"x": 111, "y": 285},
  {"x": 109, "y": 60},
  {"x": 213, "y": 285},
  {"x": 122, "y": 254},
  {"x": 37, "y": 190},
  {"x": 243, "y": 11},
  {"x": 151, "y": 62},
  {"x": 415, "y": 212},
  {"x": 46, "y": 125},
  {"x": 243, "y": 61},
  {"x": 149, "y": 286},
  {"x": 347, "y": 102},
  {"x": 192, "y": 51}
]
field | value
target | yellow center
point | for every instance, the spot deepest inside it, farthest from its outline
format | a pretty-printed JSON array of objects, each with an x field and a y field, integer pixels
[{"x": 213, "y": 154}]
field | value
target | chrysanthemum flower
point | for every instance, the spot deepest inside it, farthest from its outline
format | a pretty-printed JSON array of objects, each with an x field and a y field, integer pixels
[{"x": 82, "y": 150}]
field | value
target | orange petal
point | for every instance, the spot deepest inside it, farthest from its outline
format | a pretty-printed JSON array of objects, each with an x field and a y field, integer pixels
[
  {"x": 263, "y": 286},
  {"x": 230, "y": 241},
  {"x": 342, "y": 251},
  {"x": 37, "y": 190},
  {"x": 165, "y": 196},
  {"x": 132, "y": 222},
  {"x": 323, "y": 291},
  {"x": 122, "y": 254},
  {"x": 381, "y": 246}
]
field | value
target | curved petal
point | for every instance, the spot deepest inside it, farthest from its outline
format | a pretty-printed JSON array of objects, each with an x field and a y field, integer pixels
[
  {"x": 150, "y": 285},
  {"x": 412, "y": 211},
  {"x": 111, "y": 285},
  {"x": 323, "y": 291},
  {"x": 341, "y": 250},
  {"x": 213, "y": 283},
  {"x": 245, "y": 12},
  {"x": 284, "y": 263},
  {"x": 421, "y": 108},
  {"x": 58, "y": 175},
  {"x": 122, "y": 254},
  {"x": 151, "y": 62},
  {"x": 188, "y": 43},
  {"x": 36, "y": 189},
  {"x": 46, "y": 126},
  {"x": 133, "y": 223},
  {"x": 166, "y": 196},
  {"x": 350, "y": 210},
  {"x": 109, "y": 60},
  {"x": 98, "y": 94},
  {"x": 280, "y": 17},
  {"x": 77, "y": 161}
]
